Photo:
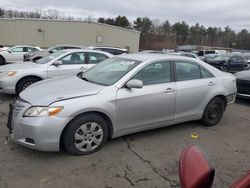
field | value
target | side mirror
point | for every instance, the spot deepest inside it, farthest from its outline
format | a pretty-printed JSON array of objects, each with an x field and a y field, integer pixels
[
  {"x": 57, "y": 63},
  {"x": 51, "y": 51},
  {"x": 195, "y": 168},
  {"x": 134, "y": 84},
  {"x": 248, "y": 61}
]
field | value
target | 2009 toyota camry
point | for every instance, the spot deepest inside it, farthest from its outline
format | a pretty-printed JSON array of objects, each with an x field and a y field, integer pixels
[{"x": 122, "y": 95}]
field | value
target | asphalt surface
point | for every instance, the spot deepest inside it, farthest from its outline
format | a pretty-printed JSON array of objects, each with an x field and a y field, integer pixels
[{"x": 147, "y": 159}]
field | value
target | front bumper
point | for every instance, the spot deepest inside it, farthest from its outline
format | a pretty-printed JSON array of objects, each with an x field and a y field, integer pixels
[
  {"x": 39, "y": 133},
  {"x": 7, "y": 86}
]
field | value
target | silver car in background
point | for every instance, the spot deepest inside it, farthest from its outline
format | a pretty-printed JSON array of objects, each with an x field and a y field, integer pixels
[
  {"x": 16, "y": 77},
  {"x": 119, "y": 96},
  {"x": 15, "y": 54}
]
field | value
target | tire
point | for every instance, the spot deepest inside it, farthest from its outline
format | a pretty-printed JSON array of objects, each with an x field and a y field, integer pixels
[
  {"x": 213, "y": 112},
  {"x": 79, "y": 139},
  {"x": 25, "y": 82},
  {"x": 2, "y": 60}
]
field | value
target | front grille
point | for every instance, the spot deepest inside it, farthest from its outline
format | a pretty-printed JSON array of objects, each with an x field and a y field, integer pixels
[{"x": 243, "y": 87}]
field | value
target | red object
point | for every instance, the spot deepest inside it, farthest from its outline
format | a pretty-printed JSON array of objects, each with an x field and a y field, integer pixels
[
  {"x": 243, "y": 182},
  {"x": 196, "y": 170}
]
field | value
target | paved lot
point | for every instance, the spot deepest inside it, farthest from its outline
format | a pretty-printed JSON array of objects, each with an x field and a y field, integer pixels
[{"x": 148, "y": 159}]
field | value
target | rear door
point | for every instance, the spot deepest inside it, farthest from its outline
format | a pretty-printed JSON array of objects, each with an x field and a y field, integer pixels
[
  {"x": 194, "y": 85},
  {"x": 72, "y": 64}
]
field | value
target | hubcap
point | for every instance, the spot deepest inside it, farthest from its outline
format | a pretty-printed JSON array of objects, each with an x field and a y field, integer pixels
[
  {"x": 214, "y": 111},
  {"x": 27, "y": 85},
  {"x": 88, "y": 136}
]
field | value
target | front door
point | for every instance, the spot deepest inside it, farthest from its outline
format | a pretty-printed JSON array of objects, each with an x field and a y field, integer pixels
[{"x": 154, "y": 103}]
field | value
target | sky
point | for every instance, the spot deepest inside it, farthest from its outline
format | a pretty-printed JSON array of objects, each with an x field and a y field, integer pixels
[{"x": 234, "y": 13}]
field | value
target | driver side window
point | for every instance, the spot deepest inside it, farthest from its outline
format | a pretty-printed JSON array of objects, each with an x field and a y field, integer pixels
[{"x": 155, "y": 73}]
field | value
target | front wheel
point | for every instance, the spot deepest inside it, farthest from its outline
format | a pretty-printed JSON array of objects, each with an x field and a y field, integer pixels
[
  {"x": 85, "y": 134},
  {"x": 25, "y": 82},
  {"x": 213, "y": 112}
]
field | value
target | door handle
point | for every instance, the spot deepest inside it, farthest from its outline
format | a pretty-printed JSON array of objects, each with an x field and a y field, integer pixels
[
  {"x": 211, "y": 84},
  {"x": 169, "y": 90}
]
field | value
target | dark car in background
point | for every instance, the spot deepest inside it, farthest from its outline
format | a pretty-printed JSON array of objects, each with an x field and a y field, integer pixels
[
  {"x": 243, "y": 84},
  {"x": 238, "y": 63},
  {"x": 218, "y": 61},
  {"x": 111, "y": 50},
  {"x": 34, "y": 56}
]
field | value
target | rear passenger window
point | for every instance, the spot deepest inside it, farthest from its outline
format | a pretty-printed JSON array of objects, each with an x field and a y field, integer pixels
[
  {"x": 155, "y": 73},
  {"x": 187, "y": 71}
]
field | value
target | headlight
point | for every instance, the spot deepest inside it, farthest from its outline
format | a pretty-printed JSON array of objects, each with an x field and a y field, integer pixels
[
  {"x": 39, "y": 111},
  {"x": 8, "y": 73}
]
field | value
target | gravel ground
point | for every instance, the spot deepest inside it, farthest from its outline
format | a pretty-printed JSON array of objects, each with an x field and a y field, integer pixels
[{"x": 147, "y": 159}]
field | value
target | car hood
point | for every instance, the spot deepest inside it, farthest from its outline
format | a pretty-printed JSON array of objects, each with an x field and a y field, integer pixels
[
  {"x": 51, "y": 90},
  {"x": 19, "y": 66}
]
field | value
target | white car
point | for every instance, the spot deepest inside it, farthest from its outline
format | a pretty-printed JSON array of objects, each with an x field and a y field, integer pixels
[
  {"x": 15, "y": 54},
  {"x": 18, "y": 76}
]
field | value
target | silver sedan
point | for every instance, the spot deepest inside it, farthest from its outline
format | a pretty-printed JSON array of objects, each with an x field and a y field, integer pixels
[
  {"x": 119, "y": 96},
  {"x": 16, "y": 77}
]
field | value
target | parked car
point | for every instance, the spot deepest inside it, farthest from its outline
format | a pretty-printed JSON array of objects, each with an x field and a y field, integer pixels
[
  {"x": 34, "y": 56},
  {"x": 208, "y": 57},
  {"x": 16, "y": 77},
  {"x": 15, "y": 54},
  {"x": 219, "y": 61},
  {"x": 186, "y": 54},
  {"x": 238, "y": 63},
  {"x": 119, "y": 96},
  {"x": 112, "y": 50},
  {"x": 243, "y": 84}
]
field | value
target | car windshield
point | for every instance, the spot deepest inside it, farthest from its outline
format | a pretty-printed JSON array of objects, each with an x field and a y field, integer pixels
[
  {"x": 110, "y": 71},
  {"x": 49, "y": 57}
]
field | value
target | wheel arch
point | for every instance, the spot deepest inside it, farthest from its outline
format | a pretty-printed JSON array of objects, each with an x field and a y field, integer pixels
[
  {"x": 28, "y": 76},
  {"x": 105, "y": 116},
  {"x": 223, "y": 97},
  {"x": 1, "y": 55}
]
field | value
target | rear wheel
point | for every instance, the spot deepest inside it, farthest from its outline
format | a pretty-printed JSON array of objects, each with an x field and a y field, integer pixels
[
  {"x": 2, "y": 60},
  {"x": 213, "y": 112},
  {"x": 25, "y": 82},
  {"x": 85, "y": 134}
]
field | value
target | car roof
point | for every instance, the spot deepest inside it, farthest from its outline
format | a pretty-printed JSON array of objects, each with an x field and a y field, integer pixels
[
  {"x": 107, "y": 47},
  {"x": 153, "y": 56},
  {"x": 88, "y": 50},
  {"x": 25, "y": 46}
]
